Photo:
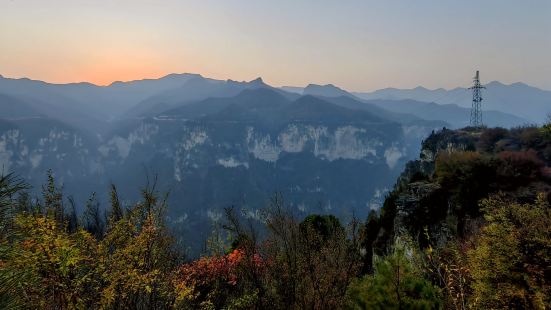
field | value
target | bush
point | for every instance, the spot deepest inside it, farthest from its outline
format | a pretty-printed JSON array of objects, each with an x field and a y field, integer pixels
[
  {"x": 490, "y": 137},
  {"x": 510, "y": 262},
  {"x": 397, "y": 284}
]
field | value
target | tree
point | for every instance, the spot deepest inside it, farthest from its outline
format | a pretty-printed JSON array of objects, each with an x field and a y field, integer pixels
[
  {"x": 396, "y": 284},
  {"x": 10, "y": 187},
  {"x": 449, "y": 269},
  {"x": 546, "y": 128},
  {"x": 53, "y": 199},
  {"x": 56, "y": 270},
  {"x": 324, "y": 226},
  {"x": 510, "y": 261},
  {"x": 467, "y": 177},
  {"x": 368, "y": 235},
  {"x": 311, "y": 263},
  {"x": 489, "y": 137},
  {"x": 136, "y": 260},
  {"x": 116, "y": 213},
  {"x": 91, "y": 219}
]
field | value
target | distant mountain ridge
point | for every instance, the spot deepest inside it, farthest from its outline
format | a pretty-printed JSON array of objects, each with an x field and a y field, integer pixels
[
  {"x": 151, "y": 96},
  {"x": 519, "y": 99},
  {"x": 193, "y": 90},
  {"x": 457, "y": 116}
]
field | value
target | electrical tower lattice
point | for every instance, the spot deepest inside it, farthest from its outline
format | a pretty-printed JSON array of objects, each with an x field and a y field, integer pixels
[{"x": 476, "y": 112}]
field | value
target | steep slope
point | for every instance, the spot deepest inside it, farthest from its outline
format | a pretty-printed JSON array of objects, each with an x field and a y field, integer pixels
[
  {"x": 30, "y": 147},
  {"x": 437, "y": 196}
]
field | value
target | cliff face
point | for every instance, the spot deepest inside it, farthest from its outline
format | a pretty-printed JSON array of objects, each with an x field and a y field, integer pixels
[
  {"x": 32, "y": 146},
  {"x": 213, "y": 164},
  {"x": 436, "y": 196},
  {"x": 237, "y": 151},
  {"x": 340, "y": 164},
  {"x": 417, "y": 194}
]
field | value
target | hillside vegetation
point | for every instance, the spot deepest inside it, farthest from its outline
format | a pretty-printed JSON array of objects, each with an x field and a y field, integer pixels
[{"x": 467, "y": 225}]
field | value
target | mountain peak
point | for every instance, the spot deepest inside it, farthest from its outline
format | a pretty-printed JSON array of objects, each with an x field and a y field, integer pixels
[
  {"x": 169, "y": 77},
  {"x": 257, "y": 81},
  {"x": 311, "y": 85},
  {"x": 181, "y": 75},
  {"x": 327, "y": 90},
  {"x": 495, "y": 83}
]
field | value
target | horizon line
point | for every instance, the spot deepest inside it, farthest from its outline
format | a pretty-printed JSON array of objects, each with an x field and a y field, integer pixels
[{"x": 259, "y": 77}]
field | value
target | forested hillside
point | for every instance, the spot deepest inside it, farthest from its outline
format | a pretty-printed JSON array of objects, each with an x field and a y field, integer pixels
[{"x": 467, "y": 225}]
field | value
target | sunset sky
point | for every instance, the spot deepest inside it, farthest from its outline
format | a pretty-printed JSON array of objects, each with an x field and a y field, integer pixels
[{"x": 358, "y": 45}]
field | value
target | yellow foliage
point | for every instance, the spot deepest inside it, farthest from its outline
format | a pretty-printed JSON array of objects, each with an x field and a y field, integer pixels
[
  {"x": 511, "y": 257},
  {"x": 58, "y": 266}
]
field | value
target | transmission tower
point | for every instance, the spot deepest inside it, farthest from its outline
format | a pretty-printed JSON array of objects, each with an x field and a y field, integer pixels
[{"x": 476, "y": 112}]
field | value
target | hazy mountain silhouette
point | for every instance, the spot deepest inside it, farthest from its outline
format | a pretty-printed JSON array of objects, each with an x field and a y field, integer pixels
[
  {"x": 456, "y": 116},
  {"x": 407, "y": 110},
  {"x": 518, "y": 99},
  {"x": 293, "y": 89},
  {"x": 85, "y": 104},
  {"x": 14, "y": 108},
  {"x": 194, "y": 90},
  {"x": 328, "y": 90},
  {"x": 97, "y": 102}
]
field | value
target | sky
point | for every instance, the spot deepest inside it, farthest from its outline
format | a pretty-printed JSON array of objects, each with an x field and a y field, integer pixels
[{"x": 358, "y": 45}]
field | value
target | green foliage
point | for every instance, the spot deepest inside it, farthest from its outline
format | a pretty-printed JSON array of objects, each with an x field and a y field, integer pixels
[
  {"x": 546, "y": 131},
  {"x": 312, "y": 262},
  {"x": 136, "y": 258},
  {"x": 10, "y": 187},
  {"x": 368, "y": 235},
  {"x": 92, "y": 219},
  {"x": 116, "y": 208},
  {"x": 510, "y": 263},
  {"x": 396, "y": 284}
]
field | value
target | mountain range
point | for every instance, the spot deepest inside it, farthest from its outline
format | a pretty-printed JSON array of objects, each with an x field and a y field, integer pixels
[
  {"x": 530, "y": 103},
  {"x": 215, "y": 143}
]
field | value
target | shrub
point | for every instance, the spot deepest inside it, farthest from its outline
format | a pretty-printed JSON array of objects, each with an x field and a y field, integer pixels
[{"x": 397, "y": 284}]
